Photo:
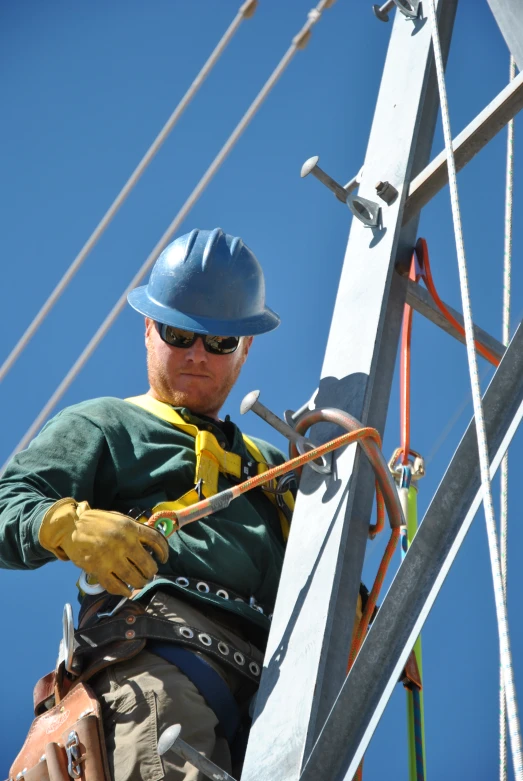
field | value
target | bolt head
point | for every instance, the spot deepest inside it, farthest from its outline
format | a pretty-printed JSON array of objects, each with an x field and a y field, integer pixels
[
  {"x": 381, "y": 15},
  {"x": 168, "y": 738},
  {"x": 249, "y": 401},
  {"x": 308, "y": 166}
]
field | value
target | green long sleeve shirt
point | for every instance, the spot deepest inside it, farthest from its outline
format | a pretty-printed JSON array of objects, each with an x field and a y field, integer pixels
[{"x": 118, "y": 456}]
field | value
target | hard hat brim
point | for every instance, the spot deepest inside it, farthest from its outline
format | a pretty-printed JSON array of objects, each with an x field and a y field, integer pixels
[{"x": 250, "y": 326}]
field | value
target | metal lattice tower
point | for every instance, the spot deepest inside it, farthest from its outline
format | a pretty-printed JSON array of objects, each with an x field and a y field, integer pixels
[{"x": 312, "y": 721}]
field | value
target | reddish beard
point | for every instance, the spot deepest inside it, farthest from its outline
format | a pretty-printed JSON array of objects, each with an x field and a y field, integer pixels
[{"x": 208, "y": 401}]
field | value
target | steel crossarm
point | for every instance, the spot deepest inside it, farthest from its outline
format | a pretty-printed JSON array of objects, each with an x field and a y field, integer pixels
[
  {"x": 366, "y": 691},
  {"x": 466, "y": 145},
  {"x": 306, "y": 658},
  {"x": 509, "y": 17}
]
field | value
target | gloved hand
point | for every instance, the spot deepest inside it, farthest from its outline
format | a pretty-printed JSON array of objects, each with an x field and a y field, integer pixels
[{"x": 106, "y": 544}]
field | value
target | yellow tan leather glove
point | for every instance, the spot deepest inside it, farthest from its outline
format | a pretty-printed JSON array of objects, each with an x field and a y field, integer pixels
[{"x": 106, "y": 544}]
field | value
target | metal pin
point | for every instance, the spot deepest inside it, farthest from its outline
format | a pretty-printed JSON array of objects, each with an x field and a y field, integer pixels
[
  {"x": 171, "y": 740},
  {"x": 382, "y": 13},
  {"x": 251, "y": 403},
  {"x": 311, "y": 166}
]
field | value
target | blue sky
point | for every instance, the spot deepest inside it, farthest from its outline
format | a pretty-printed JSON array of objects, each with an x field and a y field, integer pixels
[{"x": 86, "y": 88}]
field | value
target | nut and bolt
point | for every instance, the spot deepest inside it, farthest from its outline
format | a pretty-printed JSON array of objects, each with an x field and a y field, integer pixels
[
  {"x": 130, "y": 619},
  {"x": 387, "y": 192},
  {"x": 130, "y": 634}
]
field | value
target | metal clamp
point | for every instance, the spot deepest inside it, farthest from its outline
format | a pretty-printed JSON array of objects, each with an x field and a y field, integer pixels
[
  {"x": 417, "y": 465},
  {"x": 72, "y": 749}
]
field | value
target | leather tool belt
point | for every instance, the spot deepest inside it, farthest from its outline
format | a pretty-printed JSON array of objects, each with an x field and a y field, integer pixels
[
  {"x": 65, "y": 742},
  {"x": 99, "y": 643}
]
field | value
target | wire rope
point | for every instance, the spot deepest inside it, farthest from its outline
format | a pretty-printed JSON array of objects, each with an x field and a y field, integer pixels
[
  {"x": 501, "y": 612},
  {"x": 245, "y": 11},
  {"x": 503, "y": 520},
  {"x": 298, "y": 42}
]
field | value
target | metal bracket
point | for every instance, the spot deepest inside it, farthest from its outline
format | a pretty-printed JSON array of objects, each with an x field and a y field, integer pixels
[
  {"x": 409, "y": 8},
  {"x": 367, "y": 212}
]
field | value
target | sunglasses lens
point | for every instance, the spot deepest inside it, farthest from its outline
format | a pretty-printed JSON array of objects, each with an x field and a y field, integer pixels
[
  {"x": 177, "y": 336},
  {"x": 217, "y": 345},
  {"x": 221, "y": 345}
]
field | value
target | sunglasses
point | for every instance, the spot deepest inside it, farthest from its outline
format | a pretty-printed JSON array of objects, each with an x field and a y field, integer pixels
[{"x": 216, "y": 345}]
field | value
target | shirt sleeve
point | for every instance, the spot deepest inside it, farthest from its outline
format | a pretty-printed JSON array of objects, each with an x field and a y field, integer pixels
[{"x": 65, "y": 459}]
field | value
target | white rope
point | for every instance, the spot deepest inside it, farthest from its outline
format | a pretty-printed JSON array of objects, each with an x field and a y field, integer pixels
[
  {"x": 244, "y": 12},
  {"x": 501, "y": 612},
  {"x": 298, "y": 42},
  {"x": 503, "y": 521}
]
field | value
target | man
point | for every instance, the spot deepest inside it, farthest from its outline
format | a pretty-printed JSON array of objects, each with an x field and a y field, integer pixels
[{"x": 83, "y": 488}]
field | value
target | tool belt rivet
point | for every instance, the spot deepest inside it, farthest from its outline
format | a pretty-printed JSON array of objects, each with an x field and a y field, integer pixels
[
  {"x": 130, "y": 634},
  {"x": 130, "y": 619}
]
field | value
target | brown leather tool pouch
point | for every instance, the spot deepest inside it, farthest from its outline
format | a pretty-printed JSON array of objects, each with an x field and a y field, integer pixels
[{"x": 65, "y": 742}]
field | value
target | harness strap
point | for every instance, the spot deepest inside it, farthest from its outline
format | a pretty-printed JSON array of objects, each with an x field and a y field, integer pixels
[{"x": 211, "y": 459}]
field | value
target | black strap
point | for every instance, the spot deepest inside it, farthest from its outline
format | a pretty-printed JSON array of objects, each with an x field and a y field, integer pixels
[{"x": 135, "y": 627}]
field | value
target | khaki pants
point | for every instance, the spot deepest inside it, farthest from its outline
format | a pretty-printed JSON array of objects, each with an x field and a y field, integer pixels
[{"x": 143, "y": 696}]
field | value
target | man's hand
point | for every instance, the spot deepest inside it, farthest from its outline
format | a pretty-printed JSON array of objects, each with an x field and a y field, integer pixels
[{"x": 106, "y": 544}]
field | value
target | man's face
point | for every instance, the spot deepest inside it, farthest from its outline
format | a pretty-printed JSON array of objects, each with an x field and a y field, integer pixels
[{"x": 191, "y": 377}]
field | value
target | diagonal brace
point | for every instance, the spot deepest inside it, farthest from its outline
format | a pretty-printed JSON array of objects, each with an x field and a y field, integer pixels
[
  {"x": 366, "y": 691},
  {"x": 466, "y": 145},
  {"x": 421, "y": 300}
]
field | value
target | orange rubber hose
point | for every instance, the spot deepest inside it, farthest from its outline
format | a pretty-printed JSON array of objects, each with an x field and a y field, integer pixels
[{"x": 422, "y": 254}]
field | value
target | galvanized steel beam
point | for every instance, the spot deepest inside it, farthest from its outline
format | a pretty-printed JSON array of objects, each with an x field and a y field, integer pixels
[
  {"x": 509, "y": 17},
  {"x": 308, "y": 645},
  {"x": 421, "y": 300},
  {"x": 366, "y": 691},
  {"x": 467, "y": 144}
]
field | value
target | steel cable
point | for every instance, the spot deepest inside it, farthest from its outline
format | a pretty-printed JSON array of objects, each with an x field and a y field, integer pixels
[
  {"x": 503, "y": 520},
  {"x": 298, "y": 42},
  {"x": 501, "y": 612},
  {"x": 245, "y": 11}
]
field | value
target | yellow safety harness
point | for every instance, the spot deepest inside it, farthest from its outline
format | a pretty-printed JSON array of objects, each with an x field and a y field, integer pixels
[{"x": 211, "y": 460}]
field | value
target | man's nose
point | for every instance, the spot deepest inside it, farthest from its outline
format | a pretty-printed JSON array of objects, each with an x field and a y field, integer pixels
[{"x": 196, "y": 352}]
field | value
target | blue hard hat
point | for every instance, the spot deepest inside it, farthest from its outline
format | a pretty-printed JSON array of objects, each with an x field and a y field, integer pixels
[{"x": 207, "y": 282}]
